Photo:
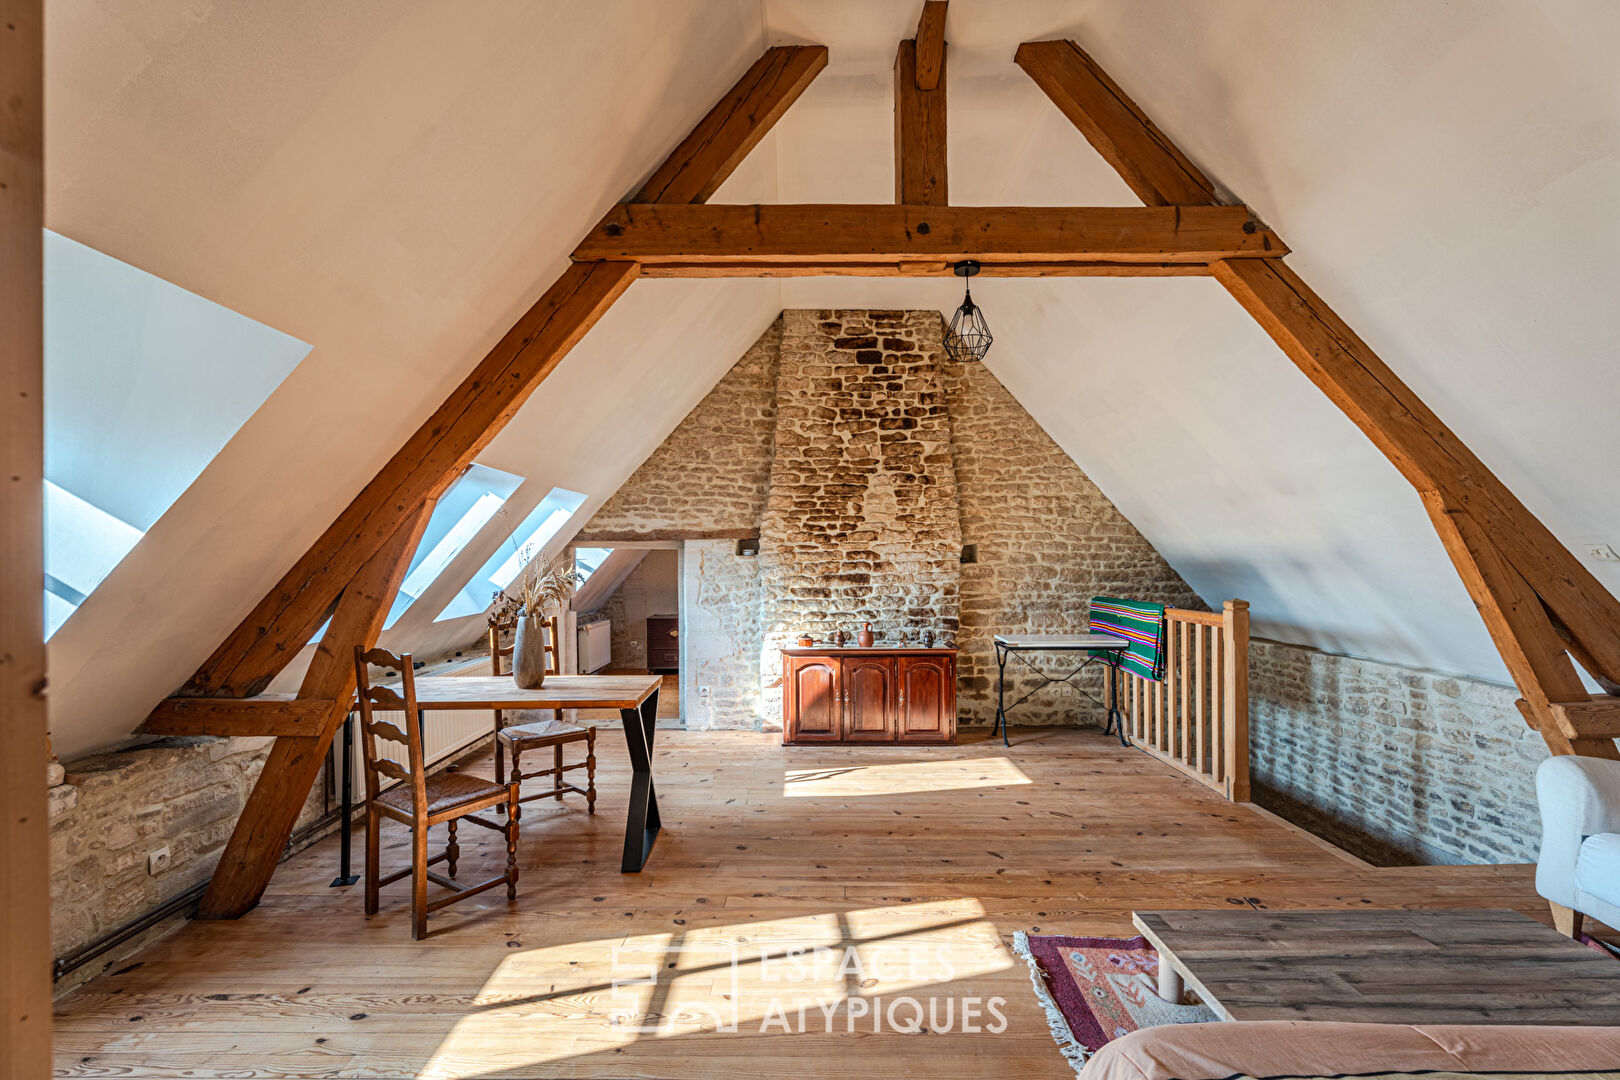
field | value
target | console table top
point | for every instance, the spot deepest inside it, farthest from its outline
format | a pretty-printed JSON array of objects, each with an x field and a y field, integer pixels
[{"x": 873, "y": 650}]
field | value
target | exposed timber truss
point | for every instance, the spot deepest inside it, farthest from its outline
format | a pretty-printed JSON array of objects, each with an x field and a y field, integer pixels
[{"x": 1541, "y": 605}]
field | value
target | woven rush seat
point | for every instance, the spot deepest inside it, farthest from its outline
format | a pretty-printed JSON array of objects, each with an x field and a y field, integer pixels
[
  {"x": 541, "y": 733},
  {"x": 445, "y": 791}
]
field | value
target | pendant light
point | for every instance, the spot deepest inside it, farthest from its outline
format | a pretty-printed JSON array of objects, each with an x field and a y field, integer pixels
[{"x": 968, "y": 338}]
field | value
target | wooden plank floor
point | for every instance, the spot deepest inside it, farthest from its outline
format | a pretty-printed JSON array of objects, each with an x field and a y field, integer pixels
[{"x": 908, "y": 869}]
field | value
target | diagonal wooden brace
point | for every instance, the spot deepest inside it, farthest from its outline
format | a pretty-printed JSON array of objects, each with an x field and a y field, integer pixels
[{"x": 261, "y": 833}]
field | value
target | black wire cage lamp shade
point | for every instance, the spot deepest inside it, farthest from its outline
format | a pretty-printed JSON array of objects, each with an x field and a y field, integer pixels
[{"x": 968, "y": 337}]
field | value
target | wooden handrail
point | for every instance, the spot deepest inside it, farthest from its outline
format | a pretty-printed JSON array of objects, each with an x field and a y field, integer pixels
[{"x": 1196, "y": 718}]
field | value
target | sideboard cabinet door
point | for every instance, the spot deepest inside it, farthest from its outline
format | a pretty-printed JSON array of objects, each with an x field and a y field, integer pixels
[
  {"x": 927, "y": 699},
  {"x": 811, "y": 700},
  {"x": 869, "y": 699}
]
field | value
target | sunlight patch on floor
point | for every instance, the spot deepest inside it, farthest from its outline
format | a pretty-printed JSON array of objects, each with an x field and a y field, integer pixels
[
  {"x": 898, "y": 778},
  {"x": 816, "y": 972}
]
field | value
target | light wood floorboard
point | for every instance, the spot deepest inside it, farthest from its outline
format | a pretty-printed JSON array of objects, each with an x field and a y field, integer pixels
[{"x": 934, "y": 853}]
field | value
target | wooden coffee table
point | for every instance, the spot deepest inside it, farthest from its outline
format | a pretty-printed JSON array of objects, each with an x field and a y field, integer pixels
[{"x": 1374, "y": 966}]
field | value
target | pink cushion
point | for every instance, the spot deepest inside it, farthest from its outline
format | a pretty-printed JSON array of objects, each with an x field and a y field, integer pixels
[{"x": 1301, "y": 1048}]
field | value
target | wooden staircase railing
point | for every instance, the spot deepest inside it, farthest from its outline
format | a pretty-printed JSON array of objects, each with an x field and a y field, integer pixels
[{"x": 1197, "y": 718}]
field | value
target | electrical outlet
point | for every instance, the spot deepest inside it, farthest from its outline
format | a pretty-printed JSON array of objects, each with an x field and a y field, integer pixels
[
  {"x": 1602, "y": 553},
  {"x": 158, "y": 861}
]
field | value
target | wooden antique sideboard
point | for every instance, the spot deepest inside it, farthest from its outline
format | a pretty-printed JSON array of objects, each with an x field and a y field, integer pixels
[{"x": 875, "y": 695}]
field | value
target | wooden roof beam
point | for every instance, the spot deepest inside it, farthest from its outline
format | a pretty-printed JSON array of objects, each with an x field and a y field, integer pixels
[
  {"x": 267, "y": 714},
  {"x": 853, "y": 233},
  {"x": 271, "y": 634},
  {"x": 1511, "y": 563},
  {"x": 266, "y": 823},
  {"x": 279, "y": 625},
  {"x": 1426, "y": 451},
  {"x": 1144, "y": 157},
  {"x": 714, "y": 149},
  {"x": 920, "y": 268}
]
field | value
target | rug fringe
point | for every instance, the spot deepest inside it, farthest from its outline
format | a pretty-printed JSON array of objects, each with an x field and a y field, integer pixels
[{"x": 1071, "y": 1048}]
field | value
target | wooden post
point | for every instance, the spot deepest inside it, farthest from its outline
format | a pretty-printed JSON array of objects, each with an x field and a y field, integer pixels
[
  {"x": 25, "y": 901},
  {"x": 919, "y": 113},
  {"x": 1235, "y": 725}
]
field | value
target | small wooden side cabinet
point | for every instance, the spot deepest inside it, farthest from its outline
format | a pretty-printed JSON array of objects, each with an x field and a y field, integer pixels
[
  {"x": 663, "y": 643},
  {"x": 877, "y": 695}
]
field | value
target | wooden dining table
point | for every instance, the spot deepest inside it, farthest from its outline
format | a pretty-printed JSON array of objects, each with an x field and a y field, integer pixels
[{"x": 636, "y": 698}]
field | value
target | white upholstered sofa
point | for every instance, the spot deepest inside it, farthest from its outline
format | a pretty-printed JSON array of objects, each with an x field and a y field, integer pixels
[{"x": 1578, "y": 871}]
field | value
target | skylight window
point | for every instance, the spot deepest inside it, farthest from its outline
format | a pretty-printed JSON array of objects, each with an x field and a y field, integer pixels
[
  {"x": 144, "y": 384},
  {"x": 587, "y": 560},
  {"x": 82, "y": 545},
  {"x": 465, "y": 509},
  {"x": 527, "y": 541}
]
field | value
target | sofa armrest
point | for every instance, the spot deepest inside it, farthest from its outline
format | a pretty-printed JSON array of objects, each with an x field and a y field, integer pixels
[{"x": 1579, "y": 796}]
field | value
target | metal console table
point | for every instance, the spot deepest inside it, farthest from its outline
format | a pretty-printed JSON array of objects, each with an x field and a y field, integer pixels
[{"x": 1098, "y": 649}]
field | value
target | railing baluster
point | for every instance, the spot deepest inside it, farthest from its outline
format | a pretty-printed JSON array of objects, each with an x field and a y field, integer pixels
[{"x": 1200, "y": 642}]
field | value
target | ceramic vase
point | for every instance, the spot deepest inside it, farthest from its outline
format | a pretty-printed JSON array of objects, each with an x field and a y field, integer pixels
[
  {"x": 529, "y": 652},
  {"x": 864, "y": 639}
]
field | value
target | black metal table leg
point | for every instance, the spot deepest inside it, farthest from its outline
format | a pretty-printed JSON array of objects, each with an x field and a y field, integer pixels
[
  {"x": 1001, "y": 694},
  {"x": 1116, "y": 719},
  {"x": 642, "y": 822},
  {"x": 344, "y": 876}
]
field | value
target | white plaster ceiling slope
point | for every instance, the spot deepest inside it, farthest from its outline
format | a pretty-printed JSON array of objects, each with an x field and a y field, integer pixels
[{"x": 395, "y": 181}]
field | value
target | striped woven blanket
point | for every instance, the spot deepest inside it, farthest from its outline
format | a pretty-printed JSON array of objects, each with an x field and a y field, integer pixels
[{"x": 1140, "y": 623}]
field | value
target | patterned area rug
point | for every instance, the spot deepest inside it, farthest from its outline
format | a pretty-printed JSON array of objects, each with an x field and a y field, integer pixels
[{"x": 1097, "y": 989}]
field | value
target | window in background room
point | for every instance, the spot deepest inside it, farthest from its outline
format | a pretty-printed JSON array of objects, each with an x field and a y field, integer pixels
[
  {"x": 144, "y": 384},
  {"x": 587, "y": 560}
]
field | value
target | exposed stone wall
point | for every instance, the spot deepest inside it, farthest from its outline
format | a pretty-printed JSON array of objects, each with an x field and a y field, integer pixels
[
  {"x": 1395, "y": 764},
  {"x": 721, "y": 634},
  {"x": 822, "y": 388},
  {"x": 861, "y": 520},
  {"x": 114, "y": 810},
  {"x": 1048, "y": 540},
  {"x": 710, "y": 473}
]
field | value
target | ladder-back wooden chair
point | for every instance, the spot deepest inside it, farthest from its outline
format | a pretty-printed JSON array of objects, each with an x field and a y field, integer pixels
[
  {"x": 556, "y": 733},
  {"x": 421, "y": 801}
]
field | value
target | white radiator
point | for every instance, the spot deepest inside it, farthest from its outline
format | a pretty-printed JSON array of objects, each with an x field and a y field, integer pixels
[
  {"x": 444, "y": 733},
  {"x": 595, "y": 645}
]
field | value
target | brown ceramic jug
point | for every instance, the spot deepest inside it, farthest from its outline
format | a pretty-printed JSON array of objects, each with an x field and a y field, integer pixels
[{"x": 864, "y": 638}]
